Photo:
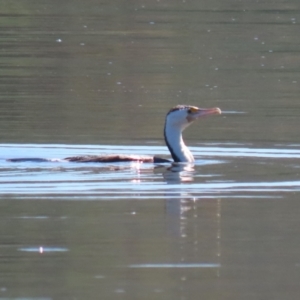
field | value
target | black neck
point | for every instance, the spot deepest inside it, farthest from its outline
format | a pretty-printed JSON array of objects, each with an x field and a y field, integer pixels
[{"x": 174, "y": 156}]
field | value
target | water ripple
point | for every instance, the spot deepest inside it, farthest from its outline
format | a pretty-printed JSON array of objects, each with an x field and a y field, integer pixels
[{"x": 221, "y": 171}]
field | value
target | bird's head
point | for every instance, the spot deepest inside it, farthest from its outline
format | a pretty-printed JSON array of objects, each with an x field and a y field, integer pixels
[{"x": 181, "y": 116}]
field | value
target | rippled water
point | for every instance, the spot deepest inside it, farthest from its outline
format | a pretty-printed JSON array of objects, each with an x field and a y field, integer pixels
[
  {"x": 95, "y": 77},
  {"x": 219, "y": 169},
  {"x": 231, "y": 217}
]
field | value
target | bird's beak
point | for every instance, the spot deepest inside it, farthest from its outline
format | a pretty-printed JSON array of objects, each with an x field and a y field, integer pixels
[{"x": 204, "y": 112}]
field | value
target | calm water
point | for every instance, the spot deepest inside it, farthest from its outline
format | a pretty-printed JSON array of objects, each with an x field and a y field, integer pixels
[{"x": 93, "y": 77}]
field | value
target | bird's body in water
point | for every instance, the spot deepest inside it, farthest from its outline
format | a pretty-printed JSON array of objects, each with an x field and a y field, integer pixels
[{"x": 177, "y": 119}]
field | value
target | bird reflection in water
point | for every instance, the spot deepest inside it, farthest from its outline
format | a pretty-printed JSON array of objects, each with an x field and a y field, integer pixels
[{"x": 179, "y": 173}]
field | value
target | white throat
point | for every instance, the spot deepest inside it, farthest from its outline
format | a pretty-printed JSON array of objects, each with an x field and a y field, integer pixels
[{"x": 176, "y": 145}]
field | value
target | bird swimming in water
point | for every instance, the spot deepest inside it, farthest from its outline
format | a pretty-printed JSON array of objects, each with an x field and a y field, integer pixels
[{"x": 177, "y": 120}]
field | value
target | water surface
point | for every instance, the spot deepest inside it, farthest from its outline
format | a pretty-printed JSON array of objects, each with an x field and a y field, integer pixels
[{"x": 98, "y": 77}]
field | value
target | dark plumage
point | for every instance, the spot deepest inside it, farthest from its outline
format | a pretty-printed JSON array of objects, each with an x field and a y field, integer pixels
[{"x": 177, "y": 119}]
